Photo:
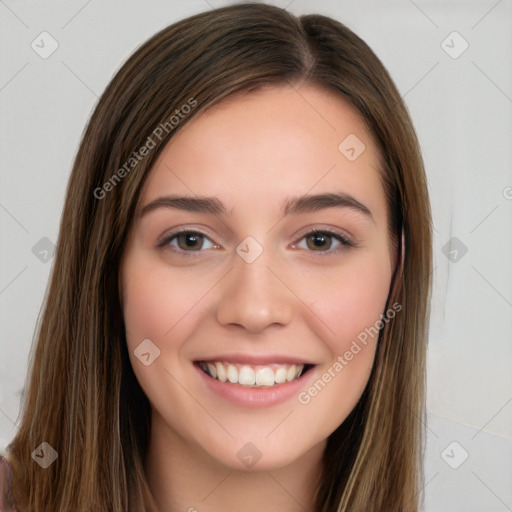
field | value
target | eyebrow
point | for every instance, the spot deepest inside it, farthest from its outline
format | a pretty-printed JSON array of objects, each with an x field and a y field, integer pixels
[{"x": 291, "y": 206}]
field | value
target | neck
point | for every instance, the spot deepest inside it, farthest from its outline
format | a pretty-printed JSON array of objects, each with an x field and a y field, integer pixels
[{"x": 183, "y": 478}]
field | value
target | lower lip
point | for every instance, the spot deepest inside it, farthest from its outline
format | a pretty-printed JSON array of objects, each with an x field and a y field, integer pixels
[{"x": 256, "y": 397}]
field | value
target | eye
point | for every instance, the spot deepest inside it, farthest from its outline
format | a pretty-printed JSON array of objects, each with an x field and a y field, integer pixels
[
  {"x": 324, "y": 241},
  {"x": 187, "y": 241}
]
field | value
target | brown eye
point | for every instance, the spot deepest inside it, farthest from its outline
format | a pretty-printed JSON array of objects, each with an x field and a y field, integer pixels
[
  {"x": 319, "y": 241},
  {"x": 328, "y": 242},
  {"x": 187, "y": 241},
  {"x": 190, "y": 241}
]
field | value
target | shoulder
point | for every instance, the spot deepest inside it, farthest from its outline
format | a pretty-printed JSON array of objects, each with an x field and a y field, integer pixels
[{"x": 6, "y": 475}]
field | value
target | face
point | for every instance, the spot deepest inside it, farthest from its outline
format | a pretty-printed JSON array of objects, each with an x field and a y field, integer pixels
[{"x": 255, "y": 275}]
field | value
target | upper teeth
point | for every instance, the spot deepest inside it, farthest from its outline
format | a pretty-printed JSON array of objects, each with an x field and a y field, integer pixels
[{"x": 249, "y": 375}]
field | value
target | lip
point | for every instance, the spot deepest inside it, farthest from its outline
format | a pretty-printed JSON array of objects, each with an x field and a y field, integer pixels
[{"x": 255, "y": 397}]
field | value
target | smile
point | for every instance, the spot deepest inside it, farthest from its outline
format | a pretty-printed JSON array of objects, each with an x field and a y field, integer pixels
[{"x": 252, "y": 375}]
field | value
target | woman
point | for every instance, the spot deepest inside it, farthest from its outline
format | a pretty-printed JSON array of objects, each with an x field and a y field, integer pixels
[{"x": 237, "y": 314}]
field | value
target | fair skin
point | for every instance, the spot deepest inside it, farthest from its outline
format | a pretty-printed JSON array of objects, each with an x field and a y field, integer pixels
[{"x": 303, "y": 300}]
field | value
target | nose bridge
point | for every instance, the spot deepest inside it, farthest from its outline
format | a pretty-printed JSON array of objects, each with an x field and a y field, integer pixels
[
  {"x": 253, "y": 297},
  {"x": 255, "y": 276}
]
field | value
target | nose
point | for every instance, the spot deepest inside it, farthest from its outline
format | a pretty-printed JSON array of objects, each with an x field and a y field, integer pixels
[{"x": 253, "y": 297}]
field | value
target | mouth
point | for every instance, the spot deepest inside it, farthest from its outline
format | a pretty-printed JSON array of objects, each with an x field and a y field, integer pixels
[{"x": 253, "y": 376}]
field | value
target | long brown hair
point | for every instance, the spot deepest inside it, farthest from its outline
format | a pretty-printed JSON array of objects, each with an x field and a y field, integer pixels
[{"x": 82, "y": 397}]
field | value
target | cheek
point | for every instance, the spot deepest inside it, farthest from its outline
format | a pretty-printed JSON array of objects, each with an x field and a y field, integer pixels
[
  {"x": 349, "y": 302},
  {"x": 160, "y": 305},
  {"x": 349, "y": 299},
  {"x": 163, "y": 305},
  {"x": 146, "y": 310},
  {"x": 157, "y": 300}
]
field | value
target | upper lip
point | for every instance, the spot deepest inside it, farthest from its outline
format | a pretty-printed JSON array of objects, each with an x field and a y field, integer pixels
[{"x": 255, "y": 360}]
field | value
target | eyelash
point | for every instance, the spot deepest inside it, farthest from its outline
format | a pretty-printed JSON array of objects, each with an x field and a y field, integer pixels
[{"x": 342, "y": 239}]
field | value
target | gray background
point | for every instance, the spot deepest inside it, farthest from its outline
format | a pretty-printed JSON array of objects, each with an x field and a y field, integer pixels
[{"x": 461, "y": 104}]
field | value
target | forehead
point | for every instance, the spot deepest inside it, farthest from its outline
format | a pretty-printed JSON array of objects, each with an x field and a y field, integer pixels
[{"x": 255, "y": 149}]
